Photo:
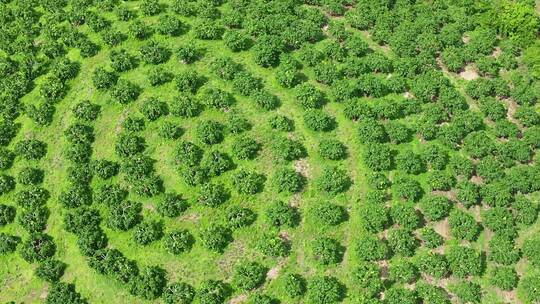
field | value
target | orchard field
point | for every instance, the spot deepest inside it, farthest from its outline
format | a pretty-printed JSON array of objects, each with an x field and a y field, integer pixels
[{"x": 269, "y": 151}]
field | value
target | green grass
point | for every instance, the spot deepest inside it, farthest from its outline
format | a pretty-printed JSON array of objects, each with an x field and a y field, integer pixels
[{"x": 16, "y": 276}]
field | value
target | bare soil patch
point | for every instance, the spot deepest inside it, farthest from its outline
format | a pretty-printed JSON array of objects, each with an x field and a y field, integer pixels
[
  {"x": 238, "y": 299},
  {"x": 469, "y": 73},
  {"x": 273, "y": 273},
  {"x": 295, "y": 200},
  {"x": 508, "y": 296},
  {"x": 496, "y": 52},
  {"x": 442, "y": 228},
  {"x": 383, "y": 265},
  {"x": 301, "y": 166},
  {"x": 477, "y": 180},
  {"x": 284, "y": 235},
  {"x": 451, "y": 195},
  {"x": 231, "y": 256},
  {"x": 192, "y": 217},
  {"x": 512, "y": 107}
]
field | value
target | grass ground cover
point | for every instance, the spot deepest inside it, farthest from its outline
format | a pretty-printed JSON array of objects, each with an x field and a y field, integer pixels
[{"x": 422, "y": 157}]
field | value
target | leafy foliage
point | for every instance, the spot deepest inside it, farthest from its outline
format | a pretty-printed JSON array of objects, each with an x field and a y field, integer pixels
[
  {"x": 248, "y": 275},
  {"x": 50, "y": 270},
  {"x": 327, "y": 251},
  {"x": 333, "y": 180},
  {"x": 178, "y": 241},
  {"x": 280, "y": 214},
  {"x": 37, "y": 248},
  {"x": 324, "y": 290},
  {"x": 288, "y": 180}
]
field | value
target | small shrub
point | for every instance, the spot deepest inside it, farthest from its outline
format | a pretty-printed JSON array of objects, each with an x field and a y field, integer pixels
[
  {"x": 324, "y": 290},
  {"x": 60, "y": 292},
  {"x": 8, "y": 243},
  {"x": 7, "y": 214},
  {"x": 207, "y": 30},
  {"x": 248, "y": 182},
  {"x": 147, "y": 232},
  {"x": 463, "y": 225},
  {"x": 308, "y": 96},
  {"x": 280, "y": 214},
  {"x": 246, "y": 84},
  {"x": 185, "y": 106},
  {"x": 265, "y": 100},
  {"x": 169, "y": 25},
  {"x": 125, "y": 91},
  {"x": 505, "y": 278},
  {"x": 464, "y": 261},
  {"x": 178, "y": 293},
  {"x": 410, "y": 162},
  {"x": 154, "y": 53},
  {"x": 216, "y": 163},
  {"x": 124, "y": 215},
  {"x": 31, "y": 149},
  {"x": 103, "y": 79},
  {"x": 407, "y": 188},
  {"x": 157, "y": 75},
  {"x": 367, "y": 277},
  {"x": 467, "y": 292},
  {"x": 238, "y": 217},
  {"x": 293, "y": 285},
  {"x": 327, "y": 214},
  {"x": 189, "y": 53},
  {"x": 433, "y": 264},
  {"x": 188, "y": 81},
  {"x": 287, "y": 149},
  {"x": 149, "y": 283},
  {"x": 281, "y": 123},
  {"x": 6, "y": 159},
  {"x": 122, "y": 61},
  {"x": 152, "y": 108},
  {"x": 245, "y": 147},
  {"x": 435, "y": 207},
  {"x": 172, "y": 205},
  {"x": 50, "y": 270},
  {"x": 215, "y": 238},
  {"x": 34, "y": 220},
  {"x": 7, "y": 184},
  {"x": 327, "y": 251},
  {"x": 288, "y": 180},
  {"x": 317, "y": 120},
  {"x": 374, "y": 217},
  {"x": 236, "y": 40},
  {"x": 378, "y": 157},
  {"x": 170, "y": 130},
  {"x": 402, "y": 242},
  {"x": 248, "y": 275},
  {"x": 178, "y": 241},
  {"x": 209, "y": 132},
  {"x": 405, "y": 216},
  {"x": 333, "y": 180},
  {"x": 273, "y": 245},
  {"x": 402, "y": 271},
  {"x": 332, "y": 149},
  {"x": 37, "y": 248},
  {"x": 369, "y": 248},
  {"x": 212, "y": 195},
  {"x": 211, "y": 291},
  {"x": 86, "y": 111},
  {"x": 188, "y": 154}
]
